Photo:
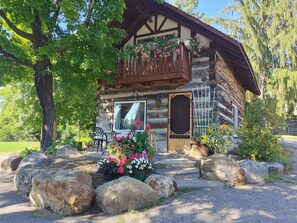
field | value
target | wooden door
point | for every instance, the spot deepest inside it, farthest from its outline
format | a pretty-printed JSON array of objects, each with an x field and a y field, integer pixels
[{"x": 179, "y": 122}]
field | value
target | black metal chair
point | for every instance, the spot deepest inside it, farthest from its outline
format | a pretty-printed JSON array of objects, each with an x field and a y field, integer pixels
[{"x": 99, "y": 138}]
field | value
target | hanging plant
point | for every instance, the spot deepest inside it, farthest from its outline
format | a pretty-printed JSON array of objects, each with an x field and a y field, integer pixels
[{"x": 195, "y": 45}]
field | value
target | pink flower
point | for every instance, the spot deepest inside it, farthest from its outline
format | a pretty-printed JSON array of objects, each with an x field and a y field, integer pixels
[
  {"x": 144, "y": 56},
  {"x": 120, "y": 170},
  {"x": 122, "y": 138},
  {"x": 115, "y": 138},
  {"x": 147, "y": 128},
  {"x": 138, "y": 123},
  {"x": 110, "y": 159},
  {"x": 128, "y": 135}
]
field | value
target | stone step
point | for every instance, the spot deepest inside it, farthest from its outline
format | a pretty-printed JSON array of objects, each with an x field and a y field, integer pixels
[
  {"x": 197, "y": 183},
  {"x": 175, "y": 163},
  {"x": 185, "y": 173},
  {"x": 161, "y": 156}
]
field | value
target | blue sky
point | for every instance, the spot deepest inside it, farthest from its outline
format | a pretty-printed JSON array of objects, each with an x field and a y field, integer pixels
[{"x": 211, "y": 8}]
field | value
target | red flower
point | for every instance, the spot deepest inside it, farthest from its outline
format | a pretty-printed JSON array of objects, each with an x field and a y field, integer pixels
[
  {"x": 122, "y": 138},
  {"x": 138, "y": 123},
  {"x": 147, "y": 128},
  {"x": 120, "y": 170},
  {"x": 137, "y": 156},
  {"x": 115, "y": 138}
]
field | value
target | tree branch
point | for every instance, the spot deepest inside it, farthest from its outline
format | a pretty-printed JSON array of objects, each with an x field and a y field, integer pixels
[
  {"x": 15, "y": 59},
  {"x": 56, "y": 14},
  {"x": 21, "y": 33},
  {"x": 90, "y": 10}
]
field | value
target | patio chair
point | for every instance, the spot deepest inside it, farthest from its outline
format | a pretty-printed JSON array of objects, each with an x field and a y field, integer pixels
[{"x": 99, "y": 138}]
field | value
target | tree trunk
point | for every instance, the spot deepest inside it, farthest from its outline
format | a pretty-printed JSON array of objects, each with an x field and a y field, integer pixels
[{"x": 44, "y": 89}]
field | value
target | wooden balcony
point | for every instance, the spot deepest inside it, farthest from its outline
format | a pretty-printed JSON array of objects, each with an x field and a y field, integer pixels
[{"x": 176, "y": 67}]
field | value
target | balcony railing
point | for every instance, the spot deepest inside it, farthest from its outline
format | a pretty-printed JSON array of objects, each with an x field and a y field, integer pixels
[{"x": 177, "y": 66}]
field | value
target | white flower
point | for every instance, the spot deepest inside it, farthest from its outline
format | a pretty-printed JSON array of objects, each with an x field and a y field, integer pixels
[{"x": 130, "y": 171}]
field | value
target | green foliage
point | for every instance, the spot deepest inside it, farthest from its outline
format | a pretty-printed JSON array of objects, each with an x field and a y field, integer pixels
[
  {"x": 19, "y": 113},
  {"x": 283, "y": 87},
  {"x": 28, "y": 151},
  {"x": 267, "y": 30},
  {"x": 258, "y": 142}
]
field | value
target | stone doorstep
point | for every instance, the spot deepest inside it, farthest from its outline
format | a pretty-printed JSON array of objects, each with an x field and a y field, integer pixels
[
  {"x": 175, "y": 163},
  {"x": 197, "y": 183},
  {"x": 185, "y": 173}
]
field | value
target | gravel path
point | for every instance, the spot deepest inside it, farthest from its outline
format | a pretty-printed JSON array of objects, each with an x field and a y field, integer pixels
[{"x": 271, "y": 202}]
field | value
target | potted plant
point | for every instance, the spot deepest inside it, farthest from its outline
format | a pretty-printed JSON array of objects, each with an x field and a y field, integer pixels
[
  {"x": 199, "y": 147},
  {"x": 108, "y": 168}
]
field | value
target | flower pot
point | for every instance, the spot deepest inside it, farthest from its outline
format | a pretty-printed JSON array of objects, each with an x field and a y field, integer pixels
[
  {"x": 138, "y": 174},
  {"x": 109, "y": 176},
  {"x": 198, "y": 151}
]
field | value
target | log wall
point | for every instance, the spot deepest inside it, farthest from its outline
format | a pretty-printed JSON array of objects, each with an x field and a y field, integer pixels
[
  {"x": 229, "y": 91},
  {"x": 157, "y": 117},
  {"x": 209, "y": 69}
]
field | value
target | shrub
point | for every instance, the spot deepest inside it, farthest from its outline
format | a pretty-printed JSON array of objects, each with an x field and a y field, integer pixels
[
  {"x": 28, "y": 151},
  {"x": 258, "y": 142}
]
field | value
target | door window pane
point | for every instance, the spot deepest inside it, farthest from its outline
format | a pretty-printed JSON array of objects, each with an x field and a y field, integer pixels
[{"x": 126, "y": 113}]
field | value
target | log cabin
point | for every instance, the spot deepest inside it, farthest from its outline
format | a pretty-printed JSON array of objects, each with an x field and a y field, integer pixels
[{"x": 179, "y": 93}]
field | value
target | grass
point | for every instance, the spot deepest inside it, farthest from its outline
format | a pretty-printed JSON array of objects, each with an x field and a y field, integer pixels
[
  {"x": 274, "y": 177},
  {"x": 11, "y": 147},
  {"x": 288, "y": 137}
]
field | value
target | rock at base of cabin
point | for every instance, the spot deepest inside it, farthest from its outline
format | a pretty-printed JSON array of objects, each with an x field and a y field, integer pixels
[
  {"x": 255, "y": 172},
  {"x": 163, "y": 185},
  {"x": 124, "y": 194},
  {"x": 66, "y": 192},
  {"x": 11, "y": 163},
  {"x": 221, "y": 168}
]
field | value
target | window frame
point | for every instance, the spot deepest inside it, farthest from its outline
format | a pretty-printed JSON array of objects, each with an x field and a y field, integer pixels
[
  {"x": 127, "y": 102},
  {"x": 235, "y": 117}
]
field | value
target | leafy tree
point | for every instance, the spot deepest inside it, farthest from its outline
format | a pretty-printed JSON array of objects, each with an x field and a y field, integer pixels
[
  {"x": 19, "y": 113},
  {"x": 188, "y": 6},
  {"x": 267, "y": 29},
  {"x": 57, "y": 40}
]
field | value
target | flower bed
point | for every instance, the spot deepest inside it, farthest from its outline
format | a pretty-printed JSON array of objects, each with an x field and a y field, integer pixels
[{"x": 130, "y": 156}]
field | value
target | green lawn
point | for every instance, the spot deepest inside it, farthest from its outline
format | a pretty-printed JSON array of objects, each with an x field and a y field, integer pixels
[
  {"x": 288, "y": 137},
  {"x": 10, "y": 147}
]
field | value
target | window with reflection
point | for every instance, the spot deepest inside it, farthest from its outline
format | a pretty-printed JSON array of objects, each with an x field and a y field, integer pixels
[{"x": 126, "y": 113}]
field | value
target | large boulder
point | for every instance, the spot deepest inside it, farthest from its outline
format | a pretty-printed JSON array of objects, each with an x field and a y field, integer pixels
[
  {"x": 275, "y": 168},
  {"x": 66, "y": 192},
  {"x": 67, "y": 152},
  {"x": 23, "y": 178},
  {"x": 34, "y": 159},
  {"x": 163, "y": 185},
  {"x": 11, "y": 163},
  {"x": 255, "y": 172},
  {"x": 30, "y": 166},
  {"x": 221, "y": 168},
  {"x": 124, "y": 194}
]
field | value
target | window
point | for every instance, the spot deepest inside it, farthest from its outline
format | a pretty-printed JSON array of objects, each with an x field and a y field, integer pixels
[
  {"x": 126, "y": 113},
  {"x": 235, "y": 116}
]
